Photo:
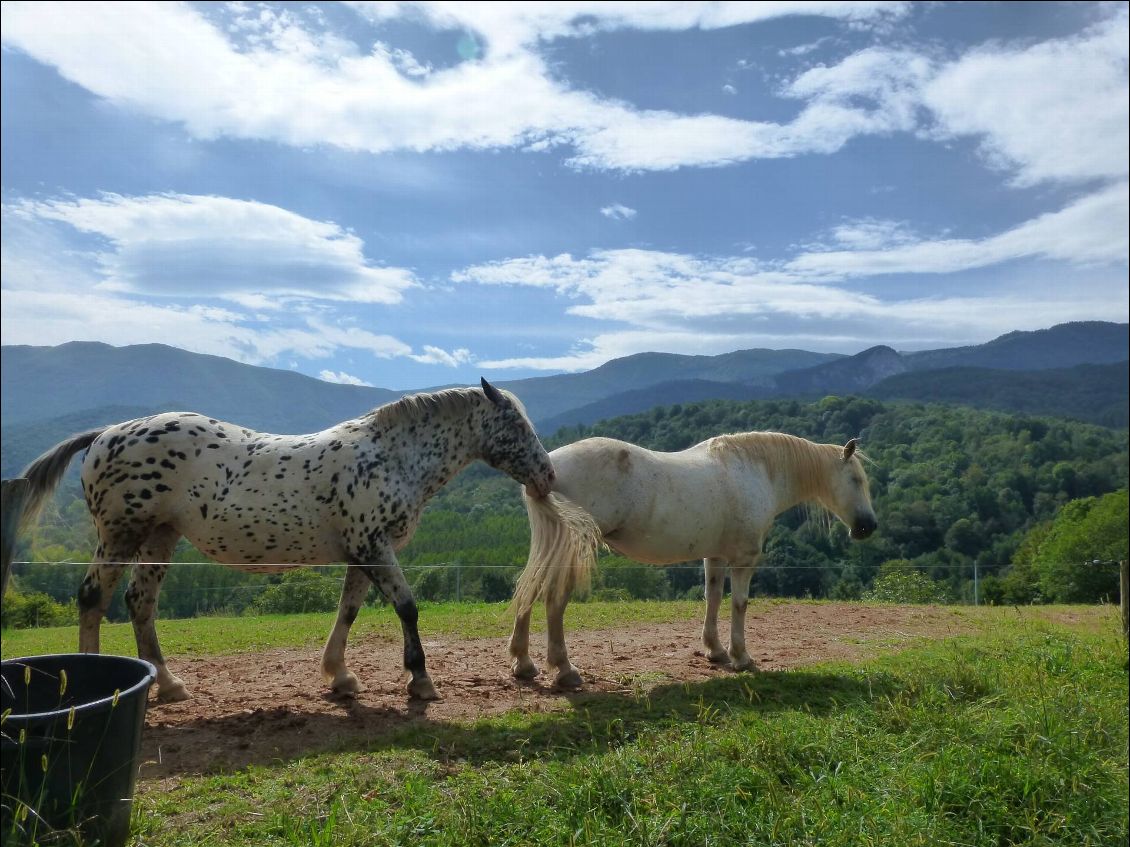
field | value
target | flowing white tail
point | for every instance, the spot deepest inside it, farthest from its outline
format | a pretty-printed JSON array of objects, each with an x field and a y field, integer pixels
[{"x": 564, "y": 540}]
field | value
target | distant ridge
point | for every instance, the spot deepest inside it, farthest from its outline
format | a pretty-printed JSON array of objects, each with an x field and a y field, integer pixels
[
  {"x": 1067, "y": 345},
  {"x": 45, "y": 389},
  {"x": 843, "y": 376},
  {"x": 49, "y": 382},
  {"x": 1095, "y": 394},
  {"x": 642, "y": 399},
  {"x": 1061, "y": 346},
  {"x": 549, "y": 396}
]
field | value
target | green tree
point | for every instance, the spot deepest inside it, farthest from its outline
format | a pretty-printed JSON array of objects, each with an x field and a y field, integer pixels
[
  {"x": 300, "y": 590},
  {"x": 639, "y": 582},
  {"x": 1075, "y": 560},
  {"x": 22, "y": 611},
  {"x": 898, "y": 582}
]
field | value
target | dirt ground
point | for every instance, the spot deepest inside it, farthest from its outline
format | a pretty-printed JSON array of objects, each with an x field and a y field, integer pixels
[{"x": 273, "y": 706}]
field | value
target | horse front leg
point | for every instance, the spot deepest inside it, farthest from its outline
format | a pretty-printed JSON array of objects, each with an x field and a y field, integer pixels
[
  {"x": 343, "y": 681},
  {"x": 557, "y": 654},
  {"x": 141, "y": 600},
  {"x": 739, "y": 600},
  {"x": 521, "y": 665},
  {"x": 388, "y": 577},
  {"x": 714, "y": 572}
]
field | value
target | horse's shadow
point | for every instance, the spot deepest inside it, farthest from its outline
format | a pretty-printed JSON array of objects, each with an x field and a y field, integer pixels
[{"x": 592, "y": 722}]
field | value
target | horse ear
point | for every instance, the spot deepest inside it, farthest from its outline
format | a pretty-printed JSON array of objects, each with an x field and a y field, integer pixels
[
  {"x": 849, "y": 448},
  {"x": 493, "y": 394}
]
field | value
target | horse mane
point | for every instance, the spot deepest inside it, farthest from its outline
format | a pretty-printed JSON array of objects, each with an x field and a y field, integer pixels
[
  {"x": 445, "y": 403},
  {"x": 781, "y": 454}
]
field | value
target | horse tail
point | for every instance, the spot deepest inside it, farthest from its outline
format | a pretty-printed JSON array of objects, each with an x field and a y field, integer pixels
[
  {"x": 564, "y": 540},
  {"x": 43, "y": 475}
]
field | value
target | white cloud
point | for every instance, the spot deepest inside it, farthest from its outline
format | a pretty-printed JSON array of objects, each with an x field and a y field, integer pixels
[
  {"x": 47, "y": 318},
  {"x": 729, "y": 89},
  {"x": 804, "y": 49},
  {"x": 509, "y": 27},
  {"x": 280, "y": 79},
  {"x": 277, "y": 73},
  {"x": 1092, "y": 230},
  {"x": 673, "y": 301},
  {"x": 618, "y": 212},
  {"x": 166, "y": 261},
  {"x": 872, "y": 234},
  {"x": 342, "y": 378},
  {"x": 249, "y": 252},
  {"x": 438, "y": 356},
  {"x": 1052, "y": 111}
]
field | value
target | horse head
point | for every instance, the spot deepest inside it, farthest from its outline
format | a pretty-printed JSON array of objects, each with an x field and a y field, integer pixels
[
  {"x": 512, "y": 446},
  {"x": 849, "y": 495}
]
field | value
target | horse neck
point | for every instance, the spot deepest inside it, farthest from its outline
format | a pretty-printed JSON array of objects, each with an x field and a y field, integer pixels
[
  {"x": 431, "y": 448},
  {"x": 799, "y": 474}
]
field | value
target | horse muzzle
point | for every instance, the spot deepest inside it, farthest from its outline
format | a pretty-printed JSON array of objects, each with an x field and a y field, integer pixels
[
  {"x": 539, "y": 487},
  {"x": 864, "y": 527}
]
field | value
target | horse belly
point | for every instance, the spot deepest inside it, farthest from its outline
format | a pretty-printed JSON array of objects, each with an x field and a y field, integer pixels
[
  {"x": 656, "y": 544},
  {"x": 264, "y": 535},
  {"x": 676, "y": 525}
]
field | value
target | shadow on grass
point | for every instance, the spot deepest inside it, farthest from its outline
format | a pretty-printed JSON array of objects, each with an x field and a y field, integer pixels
[{"x": 592, "y": 722}]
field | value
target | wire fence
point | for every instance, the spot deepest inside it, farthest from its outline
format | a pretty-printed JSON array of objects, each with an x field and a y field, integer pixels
[
  {"x": 459, "y": 567},
  {"x": 244, "y": 595}
]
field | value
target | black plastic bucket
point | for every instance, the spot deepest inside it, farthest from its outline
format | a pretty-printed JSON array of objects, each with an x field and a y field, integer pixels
[{"x": 70, "y": 745}]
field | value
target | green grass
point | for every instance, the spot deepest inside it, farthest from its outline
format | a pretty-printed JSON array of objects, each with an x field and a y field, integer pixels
[
  {"x": 1014, "y": 736},
  {"x": 218, "y": 636}
]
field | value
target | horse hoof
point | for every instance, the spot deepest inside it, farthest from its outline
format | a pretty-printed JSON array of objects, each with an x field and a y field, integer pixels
[
  {"x": 172, "y": 693},
  {"x": 743, "y": 664},
  {"x": 524, "y": 668},
  {"x": 347, "y": 686},
  {"x": 422, "y": 689},
  {"x": 718, "y": 657},
  {"x": 570, "y": 679}
]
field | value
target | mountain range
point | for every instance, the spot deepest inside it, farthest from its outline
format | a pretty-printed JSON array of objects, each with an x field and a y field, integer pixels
[{"x": 1073, "y": 370}]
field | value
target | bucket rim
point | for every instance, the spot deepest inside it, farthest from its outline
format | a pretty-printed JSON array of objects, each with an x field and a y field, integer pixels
[{"x": 94, "y": 705}]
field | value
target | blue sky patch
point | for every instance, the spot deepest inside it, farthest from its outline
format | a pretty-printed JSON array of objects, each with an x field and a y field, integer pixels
[{"x": 416, "y": 194}]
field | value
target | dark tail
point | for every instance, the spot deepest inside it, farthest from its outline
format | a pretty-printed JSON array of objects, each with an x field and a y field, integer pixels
[{"x": 44, "y": 473}]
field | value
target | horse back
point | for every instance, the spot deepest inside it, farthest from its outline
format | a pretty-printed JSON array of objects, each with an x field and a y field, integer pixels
[
  {"x": 237, "y": 494},
  {"x": 629, "y": 489}
]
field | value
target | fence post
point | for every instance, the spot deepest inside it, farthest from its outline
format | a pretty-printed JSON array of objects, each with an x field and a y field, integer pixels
[
  {"x": 13, "y": 492},
  {"x": 976, "y": 599},
  {"x": 1123, "y": 595}
]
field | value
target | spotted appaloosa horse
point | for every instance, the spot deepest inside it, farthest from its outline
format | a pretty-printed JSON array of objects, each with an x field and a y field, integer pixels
[
  {"x": 352, "y": 493},
  {"x": 716, "y": 500}
]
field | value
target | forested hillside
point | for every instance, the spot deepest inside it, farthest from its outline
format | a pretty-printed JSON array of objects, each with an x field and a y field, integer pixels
[
  {"x": 951, "y": 486},
  {"x": 1092, "y": 393}
]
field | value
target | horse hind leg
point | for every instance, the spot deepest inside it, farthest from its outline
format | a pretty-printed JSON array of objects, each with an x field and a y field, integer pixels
[
  {"x": 141, "y": 600},
  {"x": 521, "y": 665},
  {"x": 714, "y": 573},
  {"x": 97, "y": 590},
  {"x": 557, "y": 654}
]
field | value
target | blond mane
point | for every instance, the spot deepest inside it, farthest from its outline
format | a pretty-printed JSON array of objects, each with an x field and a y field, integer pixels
[{"x": 804, "y": 461}]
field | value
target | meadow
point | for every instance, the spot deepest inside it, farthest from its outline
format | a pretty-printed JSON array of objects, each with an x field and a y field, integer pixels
[{"x": 1008, "y": 727}]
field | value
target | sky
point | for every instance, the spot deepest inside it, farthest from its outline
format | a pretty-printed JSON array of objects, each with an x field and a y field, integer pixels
[{"x": 411, "y": 195}]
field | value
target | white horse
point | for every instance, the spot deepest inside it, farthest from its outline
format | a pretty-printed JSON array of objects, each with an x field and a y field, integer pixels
[
  {"x": 715, "y": 501},
  {"x": 352, "y": 493}
]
